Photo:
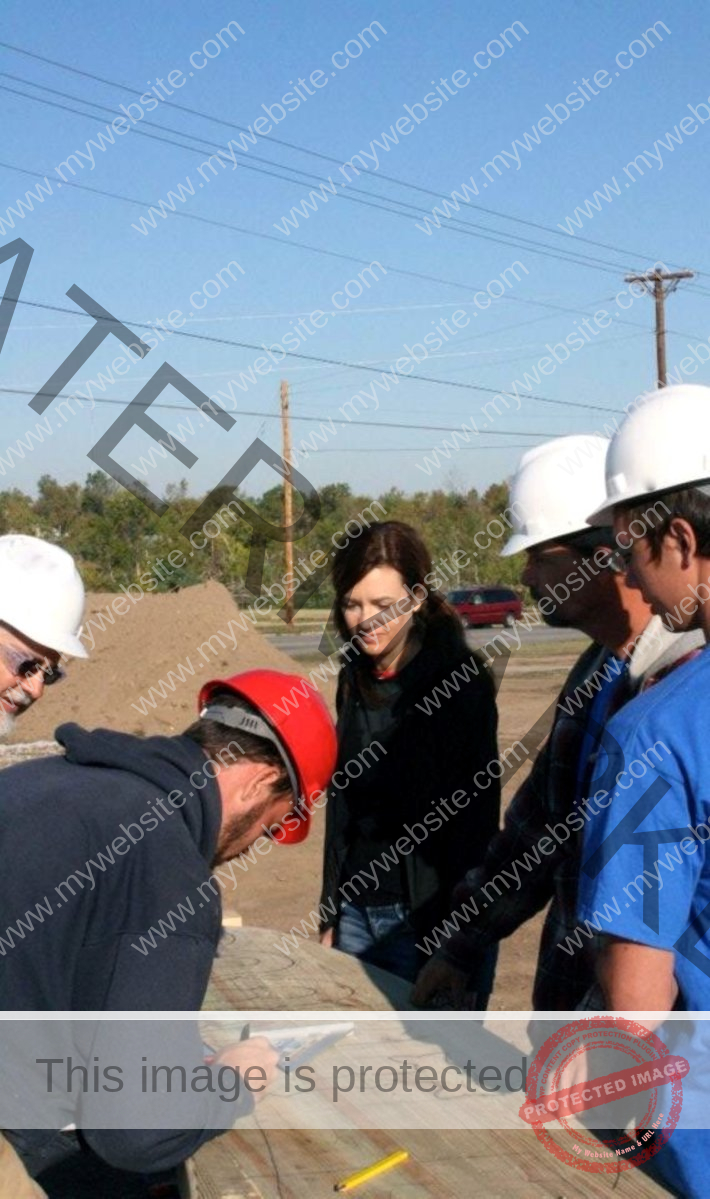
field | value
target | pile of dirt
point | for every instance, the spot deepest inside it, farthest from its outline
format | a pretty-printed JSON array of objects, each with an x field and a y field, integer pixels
[{"x": 148, "y": 660}]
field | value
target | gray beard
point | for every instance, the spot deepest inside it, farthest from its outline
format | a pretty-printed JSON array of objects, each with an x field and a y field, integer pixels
[
  {"x": 7, "y": 724},
  {"x": 7, "y": 719}
]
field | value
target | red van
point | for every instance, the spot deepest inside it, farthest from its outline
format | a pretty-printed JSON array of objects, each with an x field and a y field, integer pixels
[{"x": 478, "y": 606}]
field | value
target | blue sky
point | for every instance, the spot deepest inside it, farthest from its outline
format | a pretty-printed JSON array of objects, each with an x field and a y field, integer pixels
[{"x": 83, "y": 238}]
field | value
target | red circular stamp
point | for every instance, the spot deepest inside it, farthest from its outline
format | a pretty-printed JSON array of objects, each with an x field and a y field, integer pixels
[{"x": 607, "y": 1073}]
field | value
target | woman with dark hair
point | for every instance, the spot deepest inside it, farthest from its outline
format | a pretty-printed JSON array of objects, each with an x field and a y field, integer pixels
[{"x": 405, "y": 819}]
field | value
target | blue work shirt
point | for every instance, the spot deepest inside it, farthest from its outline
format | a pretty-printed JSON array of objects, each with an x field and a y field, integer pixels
[
  {"x": 655, "y": 766},
  {"x": 611, "y": 695},
  {"x": 641, "y": 857}
]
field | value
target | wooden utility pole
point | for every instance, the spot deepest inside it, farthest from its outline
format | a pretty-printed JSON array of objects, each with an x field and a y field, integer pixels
[
  {"x": 660, "y": 284},
  {"x": 287, "y": 498}
]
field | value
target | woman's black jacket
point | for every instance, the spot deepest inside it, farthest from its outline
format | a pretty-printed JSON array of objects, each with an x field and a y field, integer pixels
[{"x": 433, "y": 751}]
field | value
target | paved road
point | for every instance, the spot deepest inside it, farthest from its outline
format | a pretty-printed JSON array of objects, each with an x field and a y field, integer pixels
[{"x": 303, "y": 645}]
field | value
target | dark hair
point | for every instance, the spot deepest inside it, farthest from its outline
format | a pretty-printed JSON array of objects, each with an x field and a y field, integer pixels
[
  {"x": 393, "y": 543},
  {"x": 226, "y": 746},
  {"x": 589, "y": 540},
  {"x": 689, "y": 503}
]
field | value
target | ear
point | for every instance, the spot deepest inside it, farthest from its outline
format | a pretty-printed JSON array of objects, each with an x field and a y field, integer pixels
[
  {"x": 683, "y": 534},
  {"x": 260, "y": 782},
  {"x": 246, "y": 782}
]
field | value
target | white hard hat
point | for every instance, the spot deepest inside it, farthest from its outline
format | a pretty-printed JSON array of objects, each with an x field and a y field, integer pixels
[
  {"x": 41, "y": 593},
  {"x": 554, "y": 489},
  {"x": 660, "y": 446}
]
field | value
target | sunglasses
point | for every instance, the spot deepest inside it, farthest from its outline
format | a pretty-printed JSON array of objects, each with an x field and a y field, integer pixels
[{"x": 28, "y": 668}]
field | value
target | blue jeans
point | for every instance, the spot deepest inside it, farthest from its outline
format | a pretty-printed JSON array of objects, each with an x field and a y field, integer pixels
[
  {"x": 384, "y": 937},
  {"x": 381, "y": 936}
]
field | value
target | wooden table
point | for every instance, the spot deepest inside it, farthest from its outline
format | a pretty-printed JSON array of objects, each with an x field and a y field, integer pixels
[{"x": 252, "y": 973}]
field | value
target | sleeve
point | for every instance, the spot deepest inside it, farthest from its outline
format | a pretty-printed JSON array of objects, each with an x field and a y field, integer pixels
[
  {"x": 333, "y": 838},
  {"x": 148, "y": 1150},
  {"x": 332, "y": 853},
  {"x": 514, "y": 882},
  {"x": 168, "y": 975},
  {"x": 640, "y": 864},
  {"x": 497, "y": 898},
  {"x": 157, "y": 1120}
]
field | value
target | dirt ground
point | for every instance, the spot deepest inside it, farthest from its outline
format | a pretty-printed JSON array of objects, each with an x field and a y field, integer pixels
[
  {"x": 147, "y": 659},
  {"x": 285, "y": 887}
]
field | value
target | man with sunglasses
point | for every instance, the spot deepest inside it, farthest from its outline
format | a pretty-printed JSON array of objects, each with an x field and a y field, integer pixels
[
  {"x": 41, "y": 609},
  {"x": 575, "y": 575}
]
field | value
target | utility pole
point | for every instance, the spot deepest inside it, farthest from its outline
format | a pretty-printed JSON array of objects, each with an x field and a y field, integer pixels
[
  {"x": 660, "y": 284},
  {"x": 287, "y": 498}
]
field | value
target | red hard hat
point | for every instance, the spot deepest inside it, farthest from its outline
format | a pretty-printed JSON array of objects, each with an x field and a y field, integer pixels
[{"x": 305, "y": 732}]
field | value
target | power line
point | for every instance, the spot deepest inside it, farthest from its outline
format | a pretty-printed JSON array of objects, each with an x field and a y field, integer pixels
[
  {"x": 305, "y": 385},
  {"x": 331, "y": 253},
  {"x": 291, "y": 242},
  {"x": 413, "y": 449},
  {"x": 189, "y": 216},
  {"x": 248, "y": 345},
  {"x": 256, "y": 316},
  {"x": 357, "y": 195},
  {"x": 277, "y": 416},
  {"x": 313, "y": 153}
]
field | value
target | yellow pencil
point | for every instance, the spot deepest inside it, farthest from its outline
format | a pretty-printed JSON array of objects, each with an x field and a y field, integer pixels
[{"x": 387, "y": 1163}]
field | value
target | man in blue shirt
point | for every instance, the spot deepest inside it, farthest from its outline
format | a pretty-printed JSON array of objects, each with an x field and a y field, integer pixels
[
  {"x": 645, "y": 854},
  {"x": 554, "y": 488}
]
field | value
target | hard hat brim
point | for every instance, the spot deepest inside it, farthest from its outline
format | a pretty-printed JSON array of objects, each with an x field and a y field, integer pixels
[
  {"x": 605, "y": 514},
  {"x": 516, "y": 544},
  {"x": 62, "y": 643},
  {"x": 72, "y": 646},
  {"x": 520, "y": 542}
]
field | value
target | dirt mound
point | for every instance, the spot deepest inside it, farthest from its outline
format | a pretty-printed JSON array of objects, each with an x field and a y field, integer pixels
[{"x": 148, "y": 661}]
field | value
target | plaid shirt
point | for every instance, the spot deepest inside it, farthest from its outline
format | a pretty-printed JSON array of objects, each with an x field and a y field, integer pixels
[{"x": 562, "y": 978}]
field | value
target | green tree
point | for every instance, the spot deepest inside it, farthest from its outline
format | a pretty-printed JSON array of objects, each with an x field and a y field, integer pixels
[
  {"x": 17, "y": 514},
  {"x": 58, "y": 506}
]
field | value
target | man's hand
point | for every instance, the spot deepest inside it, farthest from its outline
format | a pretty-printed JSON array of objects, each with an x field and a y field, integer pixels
[
  {"x": 327, "y": 938},
  {"x": 438, "y": 975},
  {"x": 255, "y": 1051}
]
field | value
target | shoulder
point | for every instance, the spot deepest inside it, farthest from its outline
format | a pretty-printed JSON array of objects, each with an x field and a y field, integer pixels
[
  {"x": 41, "y": 829},
  {"x": 671, "y": 718},
  {"x": 590, "y": 660},
  {"x": 683, "y": 695},
  {"x": 39, "y": 786},
  {"x": 464, "y": 664},
  {"x": 458, "y": 690}
]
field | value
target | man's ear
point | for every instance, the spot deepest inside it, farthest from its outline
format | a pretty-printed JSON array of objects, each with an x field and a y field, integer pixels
[
  {"x": 247, "y": 781},
  {"x": 260, "y": 784},
  {"x": 683, "y": 533}
]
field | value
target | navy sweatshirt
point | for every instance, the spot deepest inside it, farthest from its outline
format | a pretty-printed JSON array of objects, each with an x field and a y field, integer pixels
[{"x": 72, "y": 854}]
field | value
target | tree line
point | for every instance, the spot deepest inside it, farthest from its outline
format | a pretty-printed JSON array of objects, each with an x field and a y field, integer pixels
[{"x": 116, "y": 538}]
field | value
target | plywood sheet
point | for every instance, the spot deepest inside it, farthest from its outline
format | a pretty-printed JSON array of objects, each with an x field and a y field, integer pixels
[
  {"x": 453, "y": 1165},
  {"x": 252, "y": 973}
]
